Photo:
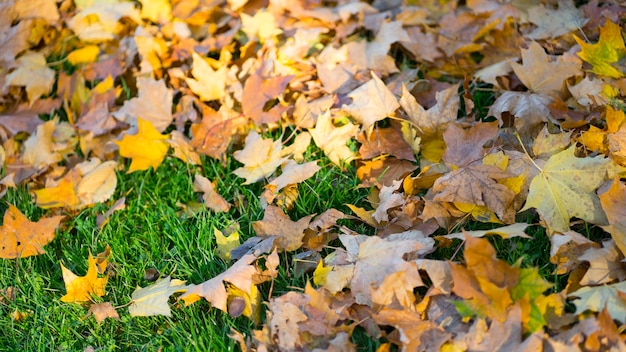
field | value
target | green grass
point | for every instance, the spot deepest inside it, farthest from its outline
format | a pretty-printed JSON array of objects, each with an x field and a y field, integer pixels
[{"x": 149, "y": 233}]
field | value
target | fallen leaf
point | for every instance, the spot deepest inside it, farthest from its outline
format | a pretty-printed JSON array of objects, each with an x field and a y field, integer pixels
[
  {"x": 566, "y": 187},
  {"x": 81, "y": 288},
  {"x": 552, "y": 23},
  {"x": 605, "y": 265},
  {"x": 258, "y": 91},
  {"x": 371, "y": 102},
  {"x": 209, "y": 84},
  {"x": 466, "y": 146},
  {"x": 484, "y": 282},
  {"x": 98, "y": 22},
  {"x": 239, "y": 274},
  {"x": 39, "y": 149},
  {"x": 211, "y": 198},
  {"x": 597, "y": 298},
  {"x": 101, "y": 311},
  {"x": 510, "y": 231},
  {"x": 225, "y": 244},
  {"x": 153, "y": 300},
  {"x": 333, "y": 139},
  {"x": 477, "y": 184},
  {"x": 542, "y": 75},
  {"x": 20, "y": 237},
  {"x": 153, "y": 104},
  {"x": 604, "y": 54},
  {"x": 33, "y": 73},
  {"x": 276, "y": 223},
  {"x": 379, "y": 141},
  {"x": 146, "y": 148},
  {"x": 260, "y": 157},
  {"x": 613, "y": 203}
]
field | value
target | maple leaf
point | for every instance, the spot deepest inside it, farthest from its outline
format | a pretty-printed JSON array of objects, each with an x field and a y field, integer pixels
[
  {"x": 376, "y": 51},
  {"x": 102, "y": 311},
  {"x": 376, "y": 258},
  {"x": 260, "y": 157},
  {"x": 152, "y": 300},
  {"x": 99, "y": 21},
  {"x": 146, "y": 148},
  {"x": 32, "y": 73},
  {"x": 477, "y": 184},
  {"x": 225, "y": 244},
  {"x": 211, "y": 198},
  {"x": 20, "y": 237},
  {"x": 81, "y": 288},
  {"x": 613, "y": 203},
  {"x": 416, "y": 333},
  {"x": 61, "y": 195},
  {"x": 565, "y": 188},
  {"x": 258, "y": 91},
  {"x": 597, "y": 298},
  {"x": 157, "y": 11},
  {"x": 288, "y": 233},
  {"x": 510, "y": 231},
  {"x": 240, "y": 275},
  {"x": 261, "y": 26},
  {"x": 208, "y": 84},
  {"x": 380, "y": 141},
  {"x": 541, "y": 75},
  {"x": 605, "y": 265},
  {"x": 38, "y": 148},
  {"x": 371, "y": 102},
  {"x": 530, "y": 110},
  {"x": 464, "y": 147},
  {"x": 332, "y": 139},
  {"x": 153, "y": 104},
  {"x": 552, "y": 23},
  {"x": 98, "y": 182},
  {"x": 606, "y": 52},
  {"x": 485, "y": 282}
]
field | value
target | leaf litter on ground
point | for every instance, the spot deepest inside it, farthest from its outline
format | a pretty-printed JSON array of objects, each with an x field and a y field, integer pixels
[{"x": 289, "y": 89}]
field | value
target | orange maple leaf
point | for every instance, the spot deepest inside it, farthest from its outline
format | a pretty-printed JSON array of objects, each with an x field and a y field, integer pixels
[{"x": 20, "y": 237}]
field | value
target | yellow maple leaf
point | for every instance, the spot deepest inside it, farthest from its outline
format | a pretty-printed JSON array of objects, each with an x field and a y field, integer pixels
[
  {"x": 80, "y": 288},
  {"x": 606, "y": 52},
  {"x": 61, "y": 195},
  {"x": 225, "y": 244},
  {"x": 566, "y": 187},
  {"x": 147, "y": 148}
]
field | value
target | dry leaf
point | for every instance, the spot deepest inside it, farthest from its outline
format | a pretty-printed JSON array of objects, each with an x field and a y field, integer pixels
[
  {"x": 211, "y": 198},
  {"x": 20, "y": 237},
  {"x": 152, "y": 300}
]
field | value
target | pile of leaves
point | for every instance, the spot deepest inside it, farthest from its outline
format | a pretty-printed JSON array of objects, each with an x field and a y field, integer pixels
[{"x": 387, "y": 89}]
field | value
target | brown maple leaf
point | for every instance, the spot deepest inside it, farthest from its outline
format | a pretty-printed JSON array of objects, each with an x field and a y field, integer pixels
[{"x": 276, "y": 223}]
